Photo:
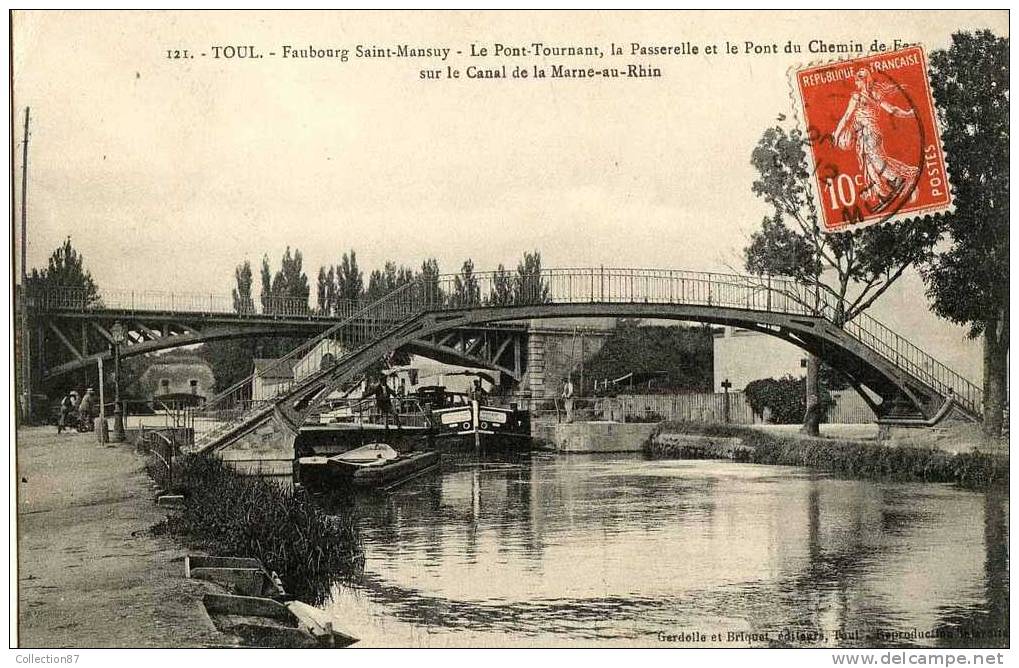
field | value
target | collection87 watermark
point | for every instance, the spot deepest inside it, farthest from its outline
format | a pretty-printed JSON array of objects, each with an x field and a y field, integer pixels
[{"x": 46, "y": 658}]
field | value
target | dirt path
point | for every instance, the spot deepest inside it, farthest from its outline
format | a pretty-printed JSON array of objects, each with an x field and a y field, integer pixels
[{"x": 90, "y": 574}]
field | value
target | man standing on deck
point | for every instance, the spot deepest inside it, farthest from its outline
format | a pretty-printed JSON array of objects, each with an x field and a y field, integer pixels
[{"x": 383, "y": 402}]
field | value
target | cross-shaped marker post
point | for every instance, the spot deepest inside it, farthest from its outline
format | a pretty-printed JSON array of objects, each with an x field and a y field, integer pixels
[{"x": 725, "y": 400}]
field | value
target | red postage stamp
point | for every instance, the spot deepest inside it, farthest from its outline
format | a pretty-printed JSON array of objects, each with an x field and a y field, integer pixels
[{"x": 874, "y": 142}]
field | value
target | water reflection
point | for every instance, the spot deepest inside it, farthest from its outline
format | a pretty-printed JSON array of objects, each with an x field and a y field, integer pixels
[{"x": 547, "y": 549}]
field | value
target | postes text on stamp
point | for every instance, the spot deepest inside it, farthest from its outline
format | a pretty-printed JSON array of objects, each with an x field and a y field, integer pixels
[{"x": 873, "y": 140}]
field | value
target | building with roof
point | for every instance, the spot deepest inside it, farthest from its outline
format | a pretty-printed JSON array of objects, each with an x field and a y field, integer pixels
[
  {"x": 177, "y": 379},
  {"x": 271, "y": 377}
]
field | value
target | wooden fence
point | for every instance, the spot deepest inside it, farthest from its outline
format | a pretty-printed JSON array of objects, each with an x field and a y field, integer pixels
[{"x": 849, "y": 407}]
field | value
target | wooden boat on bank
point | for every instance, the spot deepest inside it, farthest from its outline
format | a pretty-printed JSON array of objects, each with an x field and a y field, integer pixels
[
  {"x": 372, "y": 465},
  {"x": 373, "y": 454},
  {"x": 264, "y": 622}
]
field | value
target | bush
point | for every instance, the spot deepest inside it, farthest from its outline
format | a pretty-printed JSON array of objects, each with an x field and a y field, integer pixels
[
  {"x": 856, "y": 459},
  {"x": 239, "y": 516},
  {"x": 784, "y": 397},
  {"x": 647, "y": 416}
]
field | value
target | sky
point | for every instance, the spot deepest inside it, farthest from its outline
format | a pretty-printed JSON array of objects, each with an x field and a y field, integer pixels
[{"x": 167, "y": 173}]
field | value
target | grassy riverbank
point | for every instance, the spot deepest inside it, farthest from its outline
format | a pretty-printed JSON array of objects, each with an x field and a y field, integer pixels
[
  {"x": 227, "y": 514},
  {"x": 857, "y": 459}
]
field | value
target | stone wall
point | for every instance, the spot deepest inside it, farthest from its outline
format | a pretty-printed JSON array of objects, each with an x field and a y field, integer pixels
[
  {"x": 601, "y": 436},
  {"x": 553, "y": 354}
]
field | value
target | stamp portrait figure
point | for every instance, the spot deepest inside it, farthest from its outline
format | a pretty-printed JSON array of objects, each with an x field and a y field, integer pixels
[{"x": 885, "y": 177}]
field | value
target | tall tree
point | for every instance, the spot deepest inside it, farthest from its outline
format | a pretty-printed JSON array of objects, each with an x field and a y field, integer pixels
[
  {"x": 967, "y": 281},
  {"x": 376, "y": 285},
  {"x": 231, "y": 359},
  {"x": 501, "y": 293},
  {"x": 322, "y": 292},
  {"x": 330, "y": 298},
  {"x": 430, "y": 283},
  {"x": 466, "y": 291},
  {"x": 349, "y": 279},
  {"x": 265, "y": 276},
  {"x": 847, "y": 271},
  {"x": 530, "y": 286},
  {"x": 65, "y": 269},
  {"x": 288, "y": 290},
  {"x": 65, "y": 279},
  {"x": 385, "y": 280},
  {"x": 290, "y": 284},
  {"x": 243, "y": 302}
]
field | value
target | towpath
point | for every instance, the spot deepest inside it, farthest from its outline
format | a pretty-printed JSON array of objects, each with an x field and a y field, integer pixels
[{"x": 90, "y": 572}]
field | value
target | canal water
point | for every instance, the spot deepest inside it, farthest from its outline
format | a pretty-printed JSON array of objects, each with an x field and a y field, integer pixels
[{"x": 543, "y": 549}]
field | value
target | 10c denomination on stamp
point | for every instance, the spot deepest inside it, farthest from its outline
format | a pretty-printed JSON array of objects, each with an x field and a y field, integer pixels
[{"x": 874, "y": 140}]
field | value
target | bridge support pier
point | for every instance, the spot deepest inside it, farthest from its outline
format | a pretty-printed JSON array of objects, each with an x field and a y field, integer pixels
[
  {"x": 266, "y": 451},
  {"x": 951, "y": 428}
]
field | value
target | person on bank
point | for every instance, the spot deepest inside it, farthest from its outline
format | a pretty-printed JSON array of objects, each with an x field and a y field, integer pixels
[
  {"x": 568, "y": 398},
  {"x": 67, "y": 407},
  {"x": 85, "y": 411}
]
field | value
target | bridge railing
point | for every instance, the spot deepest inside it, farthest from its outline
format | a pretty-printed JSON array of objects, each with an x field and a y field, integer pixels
[
  {"x": 79, "y": 300},
  {"x": 758, "y": 293},
  {"x": 908, "y": 357},
  {"x": 368, "y": 322},
  {"x": 622, "y": 285}
]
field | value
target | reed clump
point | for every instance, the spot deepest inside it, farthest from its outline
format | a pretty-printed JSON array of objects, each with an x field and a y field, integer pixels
[
  {"x": 232, "y": 515},
  {"x": 856, "y": 459}
]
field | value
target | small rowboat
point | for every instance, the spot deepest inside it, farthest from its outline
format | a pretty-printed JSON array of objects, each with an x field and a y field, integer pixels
[
  {"x": 373, "y": 454},
  {"x": 373, "y": 465}
]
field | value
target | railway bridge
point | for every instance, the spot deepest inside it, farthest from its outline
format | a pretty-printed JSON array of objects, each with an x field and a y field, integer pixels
[{"x": 74, "y": 330}]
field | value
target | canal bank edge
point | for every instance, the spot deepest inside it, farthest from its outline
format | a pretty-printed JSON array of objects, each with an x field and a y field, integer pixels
[
  {"x": 107, "y": 580},
  {"x": 974, "y": 469}
]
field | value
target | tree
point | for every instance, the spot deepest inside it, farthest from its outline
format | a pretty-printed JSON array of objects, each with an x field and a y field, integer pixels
[
  {"x": 66, "y": 270},
  {"x": 845, "y": 272},
  {"x": 265, "y": 276},
  {"x": 501, "y": 293},
  {"x": 330, "y": 300},
  {"x": 243, "y": 302},
  {"x": 231, "y": 359},
  {"x": 530, "y": 287},
  {"x": 428, "y": 277},
  {"x": 683, "y": 354},
  {"x": 466, "y": 291},
  {"x": 967, "y": 282},
  {"x": 67, "y": 281},
  {"x": 288, "y": 290},
  {"x": 349, "y": 281},
  {"x": 286, "y": 293},
  {"x": 322, "y": 292},
  {"x": 383, "y": 281}
]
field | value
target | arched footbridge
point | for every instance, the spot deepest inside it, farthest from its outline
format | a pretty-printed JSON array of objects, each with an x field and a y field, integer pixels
[{"x": 898, "y": 379}]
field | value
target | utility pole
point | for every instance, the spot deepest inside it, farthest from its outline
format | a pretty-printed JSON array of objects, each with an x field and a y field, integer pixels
[{"x": 26, "y": 342}]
